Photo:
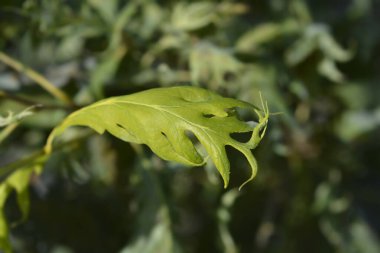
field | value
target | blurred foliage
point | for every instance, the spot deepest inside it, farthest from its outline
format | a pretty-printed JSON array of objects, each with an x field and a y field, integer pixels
[{"x": 316, "y": 62}]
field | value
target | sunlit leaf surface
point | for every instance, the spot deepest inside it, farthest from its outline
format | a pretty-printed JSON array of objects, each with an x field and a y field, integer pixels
[{"x": 164, "y": 119}]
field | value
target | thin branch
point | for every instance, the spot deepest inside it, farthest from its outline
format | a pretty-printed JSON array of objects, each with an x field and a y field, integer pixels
[
  {"x": 7, "y": 131},
  {"x": 36, "y": 158},
  {"x": 38, "y": 105},
  {"x": 39, "y": 79},
  {"x": 29, "y": 161}
]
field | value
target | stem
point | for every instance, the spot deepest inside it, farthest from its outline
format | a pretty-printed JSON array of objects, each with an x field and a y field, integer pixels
[
  {"x": 38, "y": 105},
  {"x": 36, "y": 158},
  {"x": 39, "y": 79},
  {"x": 7, "y": 131},
  {"x": 26, "y": 161}
]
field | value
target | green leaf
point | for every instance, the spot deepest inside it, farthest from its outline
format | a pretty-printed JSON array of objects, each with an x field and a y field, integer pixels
[
  {"x": 19, "y": 182},
  {"x": 328, "y": 68},
  {"x": 188, "y": 17},
  {"x": 106, "y": 9},
  {"x": 163, "y": 118},
  {"x": 106, "y": 69},
  {"x": 116, "y": 50},
  {"x": 12, "y": 118},
  {"x": 265, "y": 33},
  {"x": 354, "y": 123},
  {"x": 4, "y": 237},
  {"x": 209, "y": 63},
  {"x": 316, "y": 37},
  {"x": 332, "y": 49},
  {"x": 159, "y": 240}
]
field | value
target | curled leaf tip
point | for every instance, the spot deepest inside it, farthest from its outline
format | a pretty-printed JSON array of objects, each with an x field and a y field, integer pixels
[
  {"x": 246, "y": 182},
  {"x": 226, "y": 182}
]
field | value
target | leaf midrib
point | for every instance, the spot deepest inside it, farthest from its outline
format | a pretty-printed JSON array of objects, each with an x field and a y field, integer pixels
[{"x": 160, "y": 108}]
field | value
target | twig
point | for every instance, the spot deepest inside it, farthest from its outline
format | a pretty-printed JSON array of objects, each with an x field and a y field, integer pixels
[
  {"x": 39, "y": 79},
  {"x": 38, "y": 105},
  {"x": 29, "y": 161},
  {"x": 35, "y": 158},
  {"x": 7, "y": 131}
]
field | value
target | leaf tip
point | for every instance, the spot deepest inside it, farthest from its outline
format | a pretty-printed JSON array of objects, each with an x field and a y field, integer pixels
[
  {"x": 226, "y": 179},
  {"x": 246, "y": 182}
]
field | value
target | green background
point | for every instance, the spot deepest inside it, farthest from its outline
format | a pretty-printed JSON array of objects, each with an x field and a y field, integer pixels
[{"x": 316, "y": 62}]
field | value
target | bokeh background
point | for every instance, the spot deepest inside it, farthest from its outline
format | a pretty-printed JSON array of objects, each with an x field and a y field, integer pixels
[{"x": 316, "y": 62}]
